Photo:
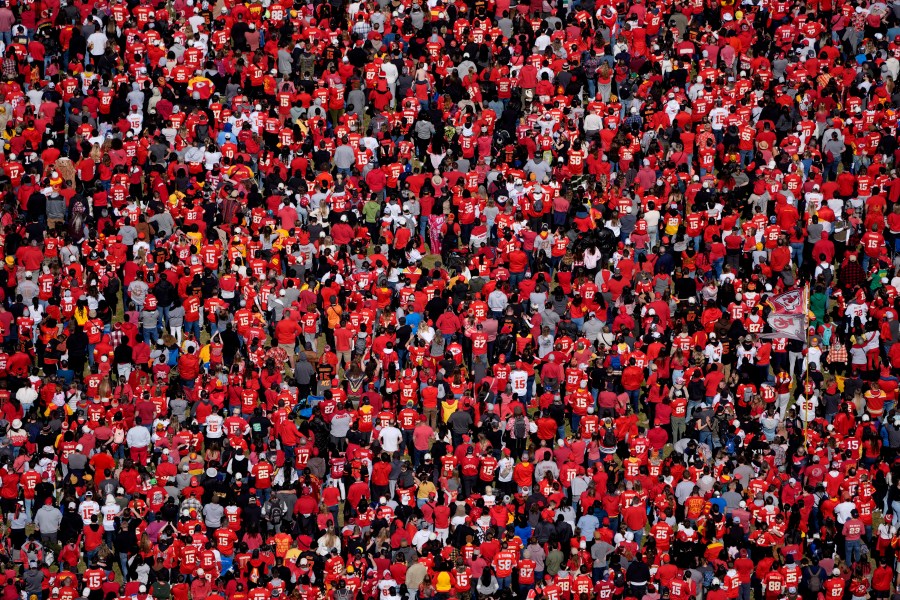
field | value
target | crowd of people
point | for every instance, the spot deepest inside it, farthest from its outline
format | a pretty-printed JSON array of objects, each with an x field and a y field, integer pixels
[{"x": 456, "y": 299}]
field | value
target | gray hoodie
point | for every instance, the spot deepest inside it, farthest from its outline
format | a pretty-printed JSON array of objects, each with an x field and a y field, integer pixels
[
  {"x": 176, "y": 316},
  {"x": 56, "y": 207},
  {"x": 33, "y": 579},
  {"x": 303, "y": 371},
  {"x": 47, "y": 519}
]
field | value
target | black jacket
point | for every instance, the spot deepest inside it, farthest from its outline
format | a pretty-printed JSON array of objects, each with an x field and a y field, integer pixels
[{"x": 164, "y": 292}]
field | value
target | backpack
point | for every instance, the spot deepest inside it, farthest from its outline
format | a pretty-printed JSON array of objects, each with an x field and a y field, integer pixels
[
  {"x": 276, "y": 511},
  {"x": 730, "y": 443},
  {"x": 827, "y": 274},
  {"x": 113, "y": 286},
  {"x": 815, "y": 582},
  {"x": 609, "y": 439},
  {"x": 520, "y": 428},
  {"x": 615, "y": 362}
]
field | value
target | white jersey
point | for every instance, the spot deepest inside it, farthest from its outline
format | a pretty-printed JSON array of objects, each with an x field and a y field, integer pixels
[
  {"x": 88, "y": 509},
  {"x": 110, "y": 512},
  {"x": 518, "y": 379},
  {"x": 214, "y": 428},
  {"x": 806, "y": 408}
]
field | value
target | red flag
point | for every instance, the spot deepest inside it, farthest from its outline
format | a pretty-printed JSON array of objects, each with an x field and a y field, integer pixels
[{"x": 789, "y": 303}]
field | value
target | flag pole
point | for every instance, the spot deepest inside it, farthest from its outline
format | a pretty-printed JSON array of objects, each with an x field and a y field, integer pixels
[{"x": 806, "y": 386}]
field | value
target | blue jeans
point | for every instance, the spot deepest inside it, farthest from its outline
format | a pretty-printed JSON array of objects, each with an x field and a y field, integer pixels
[
  {"x": 559, "y": 219},
  {"x": 635, "y": 397},
  {"x": 797, "y": 253},
  {"x": 418, "y": 457},
  {"x": 192, "y": 327},
  {"x": 90, "y": 555},
  {"x": 638, "y": 536},
  {"x": 852, "y": 551},
  {"x": 575, "y": 422},
  {"x": 717, "y": 266}
]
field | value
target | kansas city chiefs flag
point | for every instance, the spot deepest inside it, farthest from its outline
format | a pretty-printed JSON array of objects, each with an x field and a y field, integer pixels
[{"x": 788, "y": 318}]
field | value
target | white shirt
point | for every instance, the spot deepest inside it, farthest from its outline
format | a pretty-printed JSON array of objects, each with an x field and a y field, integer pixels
[
  {"x": 713, "y": 352},
  {"x": 717, "y": 118},
  {"x": 390, "y": 438},
  {"x": 505, "y": 469},
  {"x": 695, "y": 91},
  {"x": 672, "y": 108},
  {"x": 843, "y": 511},
  {"x": 855, "y": 309},
  {"x": 109, "y": 512},
  {"x": 214, "y": 429},
  {"x": 807, "y": 407},
  {"x": 88, "y": 509},
  {"x": 426, "y": 334},
  {"x": 393, "y": 212},
  {"x": 195, "y": 22},
  {"x": 518, "y": 379},
  {"x": 27, "y": 395},
  {"x": 749, "y": 354},
  {"x": 96, "y": 43},
  {"x": 369, "y": 143},
  {"x": 593, "y": 122},
  {"x": 136, "y": 120},
  {"x": 420, "y": 538},
  {"x": 138, "y": 437},
  {"x": 592, "y": 257},
  {"x": 390, "y": 72},
  {"x": 211, "y": 159}
]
